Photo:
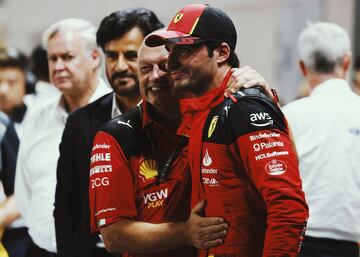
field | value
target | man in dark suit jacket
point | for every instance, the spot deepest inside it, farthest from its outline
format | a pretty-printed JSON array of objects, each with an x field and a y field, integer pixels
[{"x": 120, "y": 35}]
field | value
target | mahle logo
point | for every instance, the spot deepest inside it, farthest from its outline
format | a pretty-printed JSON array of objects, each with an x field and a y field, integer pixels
[
  {"x": 212, "y": 125},
  {"x": 148, "y": 168}
]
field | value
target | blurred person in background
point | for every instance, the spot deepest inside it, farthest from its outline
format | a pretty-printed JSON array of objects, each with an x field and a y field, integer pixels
[
  {"x": 74, "y": 61},
  {"x": 15, "y": 240},
  {"x": 14, "y": 85},
  {"x": 356, "y": 76},
  {"x": 326, "y": 129},
  {"x": 44, "y": 90},
  {"x": 119, "y": 35}
]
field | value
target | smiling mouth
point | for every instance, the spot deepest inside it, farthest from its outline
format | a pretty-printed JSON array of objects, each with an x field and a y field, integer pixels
[{"x": 158, "y": 89}]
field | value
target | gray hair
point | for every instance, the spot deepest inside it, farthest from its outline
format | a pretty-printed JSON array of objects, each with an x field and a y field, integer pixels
[
  {"x": 84, "y": 29},
  {"x": 322, "y": 46}
]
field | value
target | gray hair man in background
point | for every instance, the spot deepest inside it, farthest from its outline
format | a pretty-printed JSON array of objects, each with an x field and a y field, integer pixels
[
  {"x": 326, "y": 128},
  {"x": 74, "y": 61}
]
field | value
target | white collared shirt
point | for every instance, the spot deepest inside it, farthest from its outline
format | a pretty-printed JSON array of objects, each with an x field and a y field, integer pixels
[
  {"x": 326, "y": 128},
  {"x": 115, "y": 110},
  {"x": 35, "y": 180}
]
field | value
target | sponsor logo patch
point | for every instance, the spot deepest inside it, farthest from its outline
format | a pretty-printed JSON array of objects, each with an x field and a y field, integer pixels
[
  {"x": 98, "y": 182},
  {"x": 260, "y": 146},
  {"x": 104, "y": 211},
  {"x": 275, "y": 167},
  {"x": 261, "y": 119},
  {"x": 100, "y": 169},
  {"x": 211, "y": 182},
  {"x": 148, "y": 168},
  {"x": 264, "y": 135},
  {"x": 212, "y": 125},
  {"x": 155, "y": 199},
  {"x": 268, "y": 155},
  {"x": 125, "y": 123},
  {"x": 209, "y": 171},
  {"x": 207, "y": 161},
  {"x": 100, "y": 157},
  {"x": 101, "y": 146}
]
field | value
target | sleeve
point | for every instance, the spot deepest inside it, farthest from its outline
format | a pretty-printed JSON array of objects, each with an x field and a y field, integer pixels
[
  {"x": 9, "y": 150},
  {"x": 111, "y": 190},
  {"x": 66, "y": 195},
  {"x": 22, "y": 190},
  {"x": 261, "y": 141}
]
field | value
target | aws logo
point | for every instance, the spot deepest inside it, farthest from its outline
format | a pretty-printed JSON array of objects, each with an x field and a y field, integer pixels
[
  {"x": 261, "y": 119},
  {"x": 148, "y": 169}
]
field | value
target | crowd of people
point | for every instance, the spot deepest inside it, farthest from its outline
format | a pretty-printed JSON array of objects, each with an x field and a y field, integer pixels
[{"x": 181, "y": 152}]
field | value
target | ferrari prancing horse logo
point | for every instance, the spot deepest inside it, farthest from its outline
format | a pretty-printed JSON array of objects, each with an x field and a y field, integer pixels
[
  {"x": 212, "y": 125},
  {"x": 178, "y": 17}
]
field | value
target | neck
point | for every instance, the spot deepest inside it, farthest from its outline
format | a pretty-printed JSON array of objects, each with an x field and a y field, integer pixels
[
  {"x": 315, "y": 79},
  {"x": 80, "y": 99},
  {"x": 219, "y": 77},
  {"x": 168, "y": 116},
  {"x": 126, "y": 103}
]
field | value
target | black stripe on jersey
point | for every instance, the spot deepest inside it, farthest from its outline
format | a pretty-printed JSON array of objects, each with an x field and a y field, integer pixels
[
  {"x": 253, "y": 112},
  {"x": 128, "y": 132}
]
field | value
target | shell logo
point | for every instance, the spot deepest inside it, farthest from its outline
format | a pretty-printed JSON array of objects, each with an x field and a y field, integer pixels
[{"x": 149, "y": 168}]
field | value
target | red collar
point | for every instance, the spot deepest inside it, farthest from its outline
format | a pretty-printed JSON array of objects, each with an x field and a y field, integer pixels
[{"x": 210, "y": 99}]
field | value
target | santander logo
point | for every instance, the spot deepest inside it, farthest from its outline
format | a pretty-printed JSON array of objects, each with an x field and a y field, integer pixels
[{"x": 207, "y": 161}]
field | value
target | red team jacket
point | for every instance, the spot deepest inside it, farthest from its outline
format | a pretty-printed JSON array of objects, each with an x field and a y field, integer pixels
[
  {"x": 127, "y": 155},
  {"x": 243, "y": 162}
]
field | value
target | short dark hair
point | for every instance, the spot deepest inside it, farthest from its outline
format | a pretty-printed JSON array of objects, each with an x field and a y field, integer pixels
[
  {"x": 357, "y": 63},
  {"x": 13, "y": 58},
  {"x": 119, "y": 23},
  {"x": 39, "y": 63}
]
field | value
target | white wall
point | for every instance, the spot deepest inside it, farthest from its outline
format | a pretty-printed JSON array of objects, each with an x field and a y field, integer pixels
[{"x": 267, "y": 29}]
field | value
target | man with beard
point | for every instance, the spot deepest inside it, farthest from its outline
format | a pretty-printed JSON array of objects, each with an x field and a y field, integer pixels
[
  {"x": 120, "y": 35},
  {"x": 240, "y": 152}
]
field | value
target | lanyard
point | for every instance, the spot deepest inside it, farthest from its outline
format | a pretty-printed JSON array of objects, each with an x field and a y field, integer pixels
[{"x": 175, "y": 153}]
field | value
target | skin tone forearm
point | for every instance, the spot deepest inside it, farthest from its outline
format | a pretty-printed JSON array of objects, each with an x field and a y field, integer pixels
[
  {"x": 8, "y": 212},
  {"x": 141, "y": 237}
]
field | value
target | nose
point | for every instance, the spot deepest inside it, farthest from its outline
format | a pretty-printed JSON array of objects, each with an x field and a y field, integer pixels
[
  {"x": 4, "y": 88},
  {"x": 59, "y": 64},
  {"x": 121, "y": 64},
  {"x": 157, "y": 73}
]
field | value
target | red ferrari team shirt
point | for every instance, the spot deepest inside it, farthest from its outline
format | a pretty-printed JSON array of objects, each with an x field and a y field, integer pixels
[
  {"x": 243, "y": 162},
  {"x": 125, "y": 163}
]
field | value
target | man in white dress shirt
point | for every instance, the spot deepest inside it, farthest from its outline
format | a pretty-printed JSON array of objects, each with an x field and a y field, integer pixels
[
  {"x": 74, "y": 61},
  {"x": 326, "y": 128}
]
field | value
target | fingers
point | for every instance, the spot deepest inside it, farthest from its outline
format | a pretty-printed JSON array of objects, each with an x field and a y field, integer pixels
[
  {"x": 199, "y": 208},
  {"x": 215, "y": 231},
  {"x": 213, "y": 243},
  {"x": 211, "y": 221}
]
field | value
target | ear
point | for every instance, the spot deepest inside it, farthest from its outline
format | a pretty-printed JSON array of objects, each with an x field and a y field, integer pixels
[
  {"x": 96, "y": 56},
  {"x": 303, "y": 68},
  {"x": 223, "y": 53},
  {"x": 346, "y": 61}
]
